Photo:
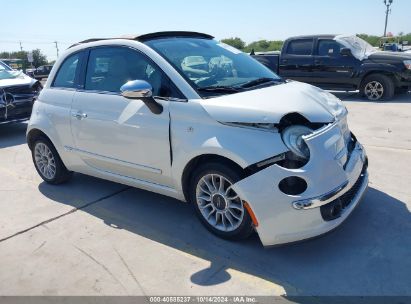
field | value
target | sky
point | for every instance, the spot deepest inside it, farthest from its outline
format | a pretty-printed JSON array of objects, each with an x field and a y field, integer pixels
[{"x": 37, "y": 24}]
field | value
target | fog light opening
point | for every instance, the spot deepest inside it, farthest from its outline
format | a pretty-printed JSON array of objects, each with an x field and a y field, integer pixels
[
  {"x": 292, "y": 185},
  {"x": 336, "y": 210}
]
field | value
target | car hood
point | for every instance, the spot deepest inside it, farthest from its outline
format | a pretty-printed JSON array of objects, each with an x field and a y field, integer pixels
[
  {"x": 21, "y": 79},
  {"x": 270, "y": 104},
  {"x": 393, "y": 56}
]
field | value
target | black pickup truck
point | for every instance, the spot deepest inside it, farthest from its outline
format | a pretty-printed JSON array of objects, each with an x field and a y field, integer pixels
[
  {"x": 41, "y": 72},
  {"x": 342, "y": 62}
]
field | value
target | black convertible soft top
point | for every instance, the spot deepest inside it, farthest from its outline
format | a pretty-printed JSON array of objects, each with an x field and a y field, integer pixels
[{"x": 151, "y": 36}]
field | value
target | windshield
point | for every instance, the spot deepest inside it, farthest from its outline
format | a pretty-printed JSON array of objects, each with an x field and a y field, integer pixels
[
  {"x": 209, "y": 64},
  {"x": 360, "y": 49},
  {"x": 7, "y": 73}
]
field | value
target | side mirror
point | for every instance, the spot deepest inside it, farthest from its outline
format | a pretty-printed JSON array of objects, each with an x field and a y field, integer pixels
[
  {"x": 140, "y": 89},
  {"x": 345, "y": 52}
]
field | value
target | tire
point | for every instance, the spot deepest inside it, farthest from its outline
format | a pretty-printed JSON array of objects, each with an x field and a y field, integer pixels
[
  {"x": 48, "y": 162},
  {"x": 377, "y": 87},
  {"x": 233, "y": 221}
]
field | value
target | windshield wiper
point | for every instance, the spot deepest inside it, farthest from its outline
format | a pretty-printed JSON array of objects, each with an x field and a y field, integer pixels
[
  {"x": 259, "y": 81},
  {"x": 222, "y": 89}
]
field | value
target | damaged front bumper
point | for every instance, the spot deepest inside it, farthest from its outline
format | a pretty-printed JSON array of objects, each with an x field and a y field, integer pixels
[
  {"x": 16, "y": 103},
  {"x": 335, "y": 185}
]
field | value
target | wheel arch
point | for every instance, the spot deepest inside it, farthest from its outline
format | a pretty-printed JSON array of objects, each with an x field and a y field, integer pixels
[
  {"x": 33, "y": 135},
  {"x": 390, "y": 74},
  {"x": 197, "y": 161}
]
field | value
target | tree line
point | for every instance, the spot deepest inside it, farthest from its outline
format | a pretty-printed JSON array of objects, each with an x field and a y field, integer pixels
[
  {"x": 38, "y": 57},
  {"x": 276, "y": 45}
]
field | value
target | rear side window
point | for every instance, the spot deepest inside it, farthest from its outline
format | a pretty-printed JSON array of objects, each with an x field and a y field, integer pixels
[
  {"x": 300, "y": 47},
  {"x": 66, "y": 75}
]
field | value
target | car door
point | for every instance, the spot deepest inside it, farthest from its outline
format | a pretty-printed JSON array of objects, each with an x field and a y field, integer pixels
[
  {"x": 331, "y": 68},
  {"x": 296, "y": 61},
  {"x": 118, "y": 135}
]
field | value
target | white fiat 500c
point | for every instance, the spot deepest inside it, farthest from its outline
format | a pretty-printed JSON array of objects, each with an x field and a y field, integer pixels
[{"x": 181, "y": 114}]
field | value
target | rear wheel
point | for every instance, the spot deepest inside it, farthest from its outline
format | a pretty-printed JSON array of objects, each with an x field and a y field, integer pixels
[
  {"x": 48, "y": 163},
  {"x": 377, "y": 87},
  {"x": 217, "y": 205}
]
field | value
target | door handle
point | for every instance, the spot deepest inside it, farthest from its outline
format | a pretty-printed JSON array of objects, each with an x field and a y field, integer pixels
[{"x": 79, "y": 115}]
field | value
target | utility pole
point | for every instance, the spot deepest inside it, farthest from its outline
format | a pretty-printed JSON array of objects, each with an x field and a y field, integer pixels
[
  {"x": 21, "y": 47},
  {"x": 387, "y": 3},
  {"x": 57, "y": 48}
]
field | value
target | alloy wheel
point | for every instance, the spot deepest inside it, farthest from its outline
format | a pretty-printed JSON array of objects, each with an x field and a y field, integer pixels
[
  {"x": 45, "y": 160},
  {"x": 374, "y": 90},
  {"x": 219, "y": 204}
]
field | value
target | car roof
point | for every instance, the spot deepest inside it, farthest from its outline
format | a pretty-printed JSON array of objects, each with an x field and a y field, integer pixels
[
  {"x": 151, "y": 36},
  {"x": 323, "y": 36}
]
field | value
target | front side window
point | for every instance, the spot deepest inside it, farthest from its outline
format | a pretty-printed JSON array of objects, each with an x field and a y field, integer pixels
[
  {"x": 66, "y": 75},
  {"x": 8, "y": 73},
  {"x": 329, "y": 48},
  {"x": 109, "y": 68},
  {"x": 206, "y": 63},
  {"x": 300, "y": 47}
]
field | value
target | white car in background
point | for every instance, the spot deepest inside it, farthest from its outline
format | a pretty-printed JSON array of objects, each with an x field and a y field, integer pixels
[{"x": 183, "y": 115}]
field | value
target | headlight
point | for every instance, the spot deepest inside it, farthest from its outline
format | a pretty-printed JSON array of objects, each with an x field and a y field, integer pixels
[
  {"x": 293, "y": 138},
  {"x": 407, "y": 64},
  {"x": 334, "y": 105}
]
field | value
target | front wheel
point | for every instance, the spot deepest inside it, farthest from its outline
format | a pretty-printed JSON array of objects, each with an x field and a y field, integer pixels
[
  {"x": 377, "y": 87},
  {"x": 217, "y": 205}
]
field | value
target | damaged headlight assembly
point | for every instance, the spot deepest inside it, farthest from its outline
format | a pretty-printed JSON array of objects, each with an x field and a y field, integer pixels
[{"x": 293, "y": 138}]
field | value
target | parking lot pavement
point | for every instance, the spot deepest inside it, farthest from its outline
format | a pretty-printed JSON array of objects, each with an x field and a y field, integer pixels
[
  {"x": 22, "y": 202},
  {"x": 92, "y": 237}
]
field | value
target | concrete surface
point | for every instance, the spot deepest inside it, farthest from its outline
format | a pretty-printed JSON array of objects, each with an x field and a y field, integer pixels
[{"x": 92, "y": 237}]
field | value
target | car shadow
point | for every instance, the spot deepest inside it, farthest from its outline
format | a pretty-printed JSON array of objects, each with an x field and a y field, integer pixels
[
  {"x": 355, "y": 97},
  {"x": 12, "y": 134},
  {"x": 366, "y": 255}
]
